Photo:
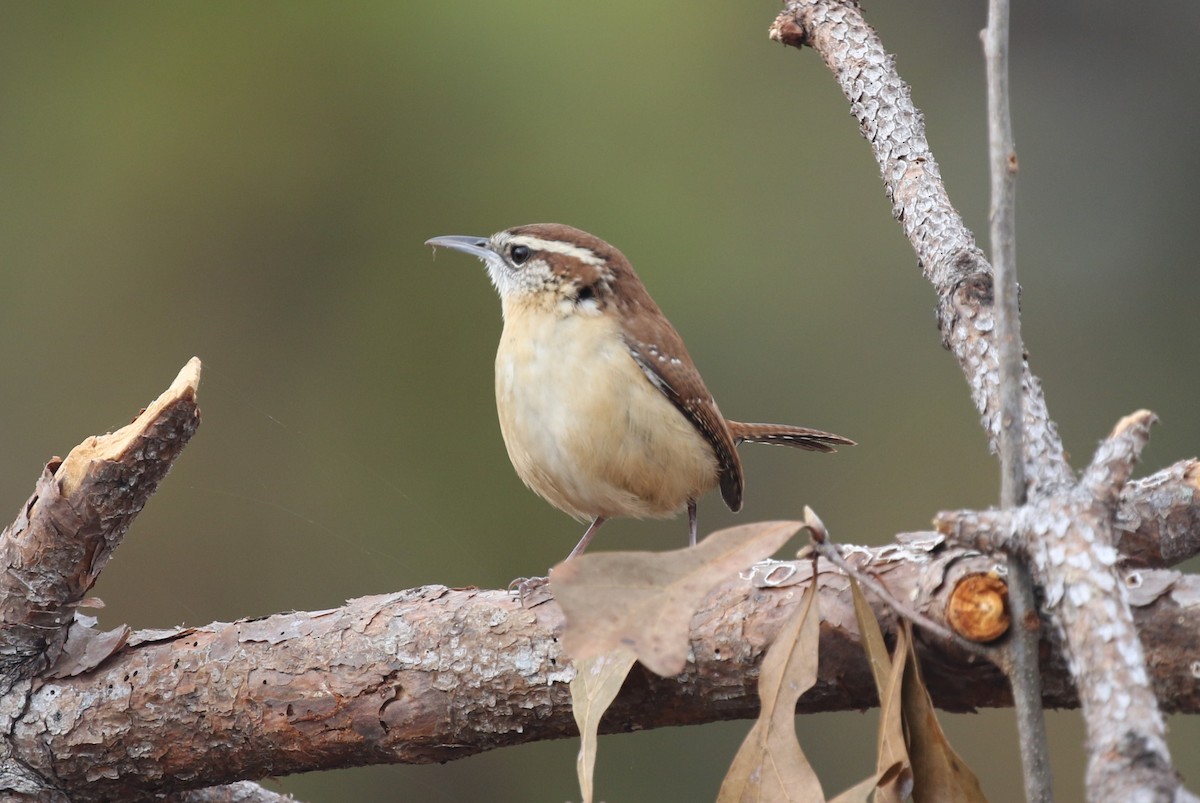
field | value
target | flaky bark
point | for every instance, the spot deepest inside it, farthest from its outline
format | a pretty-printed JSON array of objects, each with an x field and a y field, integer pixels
[
  {"x": 435, "y": 674},
  {"x": 1068, "y": 530},
  {"x": 78, "y": 514},
  {"x": 946, "y": 251},
  {"x": 1069, "y": 539},
  {"x": 51, "y": 556},
  {"x": 240, "y": 792},
  {"x": 1158, "y": 518}
]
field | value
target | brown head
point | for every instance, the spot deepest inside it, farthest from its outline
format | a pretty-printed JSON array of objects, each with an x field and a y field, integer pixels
[{"x": 551, "y": 263}]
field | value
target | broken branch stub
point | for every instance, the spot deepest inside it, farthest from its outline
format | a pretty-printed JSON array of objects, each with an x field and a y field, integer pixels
[{"x": 79, "y": 512}]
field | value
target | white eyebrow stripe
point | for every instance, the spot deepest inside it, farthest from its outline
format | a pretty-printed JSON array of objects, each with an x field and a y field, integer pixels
[{"x": 585, "y": 255}]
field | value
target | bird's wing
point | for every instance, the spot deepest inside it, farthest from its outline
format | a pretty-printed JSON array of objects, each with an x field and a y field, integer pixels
[{"x": 667, "y": 365}]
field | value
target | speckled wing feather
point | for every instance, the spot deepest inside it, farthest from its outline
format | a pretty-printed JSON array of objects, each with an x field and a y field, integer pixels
[{"x": 666, "y": 363}]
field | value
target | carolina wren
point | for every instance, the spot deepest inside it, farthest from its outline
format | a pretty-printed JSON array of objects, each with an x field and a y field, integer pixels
[{"x": 602, "y": 410}]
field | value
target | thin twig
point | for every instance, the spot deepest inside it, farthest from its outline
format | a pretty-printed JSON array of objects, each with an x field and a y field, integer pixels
[
  {"x": 1003, "y": 164},
  {"x": 826, "y": 548},
  {"x": 1022, "y": 646}
]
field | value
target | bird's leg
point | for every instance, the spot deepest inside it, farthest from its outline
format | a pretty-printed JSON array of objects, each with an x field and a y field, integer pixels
[
  {"x": 691, "y": 522},
  {"x": 535, "y": 590},
  {"x": 587, "y": 536}
]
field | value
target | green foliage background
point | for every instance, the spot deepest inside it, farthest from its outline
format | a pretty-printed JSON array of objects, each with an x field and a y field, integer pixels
[{"x": 252, "y": 183}]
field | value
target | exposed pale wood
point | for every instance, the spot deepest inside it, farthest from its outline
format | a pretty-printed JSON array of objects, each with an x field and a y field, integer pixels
[
  {"x": 52, "y": 554},
  {"x": 78, "y": 514}
]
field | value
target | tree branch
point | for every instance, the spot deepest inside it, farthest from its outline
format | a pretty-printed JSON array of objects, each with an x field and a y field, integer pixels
[
  {"x": 1069, "y": 539},
  {"x": 240, "y": 792},
  {"x": 435, "y": 674},
  {"x": 964, "y": 283},
  {"x": 946, "y": 250},
  {"x": 1022, "y": 658},
  {"x": 53, "y": 553},
  {"x": 1158, "y": 519},
  {"x": 1127, "y": 747},
  {"x": 1003, "y": 163},
  {"x": 78, "y": 514}
]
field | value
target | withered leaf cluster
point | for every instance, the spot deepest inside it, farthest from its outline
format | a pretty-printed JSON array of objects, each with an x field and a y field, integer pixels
[{"x": 630, "y": 606}]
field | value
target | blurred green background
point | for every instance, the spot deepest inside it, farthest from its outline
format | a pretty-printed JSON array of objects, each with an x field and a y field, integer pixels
[{"x": 252, "y": 183}]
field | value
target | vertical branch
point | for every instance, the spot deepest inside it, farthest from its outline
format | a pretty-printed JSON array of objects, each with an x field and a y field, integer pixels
[
  {"x": 1023, "y": 644},
  {"x": 1003, "y": 164},
  {"x": 1064, "y": 527},
  {"x": 1026, "y": 681}
]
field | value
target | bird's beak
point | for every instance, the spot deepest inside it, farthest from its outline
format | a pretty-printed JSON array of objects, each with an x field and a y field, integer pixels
[{"x": 475, "y": 246}]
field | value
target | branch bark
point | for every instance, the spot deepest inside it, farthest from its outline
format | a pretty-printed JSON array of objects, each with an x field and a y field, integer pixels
[
  {"x": 968, "y": 318},
  {"x": 51, "y": 556},
  {"x": 435, "y": 674},
  {"x": 240, "y": 792},
  {"x": 1128, "y": 756},
  {"x": 78, "y": 514},
  {"x": 1158, "y": 518},
  {"x": 945, "y": 248},
  {"x": 1022, "y": 660}
]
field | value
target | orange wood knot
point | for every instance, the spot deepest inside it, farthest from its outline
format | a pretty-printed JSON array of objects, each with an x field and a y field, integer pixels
[{"x": 978, "y": 608}]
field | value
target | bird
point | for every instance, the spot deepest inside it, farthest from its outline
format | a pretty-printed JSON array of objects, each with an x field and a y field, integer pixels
[{"x": 601, "y": 408}]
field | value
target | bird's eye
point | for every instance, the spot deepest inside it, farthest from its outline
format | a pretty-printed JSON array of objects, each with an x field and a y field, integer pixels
[{"x": 519, "y": 254}]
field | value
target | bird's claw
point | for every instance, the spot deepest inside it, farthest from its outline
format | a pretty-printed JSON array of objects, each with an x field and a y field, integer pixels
[{"x": 531, "y": 591}]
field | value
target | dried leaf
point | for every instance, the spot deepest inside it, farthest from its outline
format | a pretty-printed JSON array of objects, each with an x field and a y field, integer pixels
[
  {"x": 596, "y": 684},
  {"x": 872, "y": 638},
  {"x": 770, "y": 767},
  {"x": 859, "y": 793},
  {"x": 939, "y": 774},
  {"x": 892, "y": 781},
  {"x": 644, "y": 601},
  {"x": 893, "y": 768}
]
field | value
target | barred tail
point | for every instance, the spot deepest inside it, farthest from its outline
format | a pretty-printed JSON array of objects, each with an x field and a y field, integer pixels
[{"x": 814, "y": 440}]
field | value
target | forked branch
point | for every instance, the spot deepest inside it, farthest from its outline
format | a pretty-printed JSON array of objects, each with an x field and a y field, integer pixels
[{"x": 1064, "y": 517}]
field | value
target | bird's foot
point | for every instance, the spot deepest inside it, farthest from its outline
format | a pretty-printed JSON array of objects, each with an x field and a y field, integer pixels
[{"x": 531, "y": 591}]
